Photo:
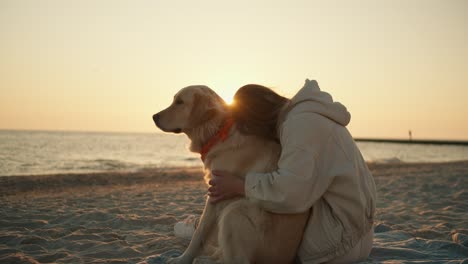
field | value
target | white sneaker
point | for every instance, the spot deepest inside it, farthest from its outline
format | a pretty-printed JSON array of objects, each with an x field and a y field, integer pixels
[{"x": 186, "y": 228}]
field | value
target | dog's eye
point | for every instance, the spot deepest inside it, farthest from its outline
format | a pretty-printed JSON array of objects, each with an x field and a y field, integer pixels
[{"x": 179, "y": 102}]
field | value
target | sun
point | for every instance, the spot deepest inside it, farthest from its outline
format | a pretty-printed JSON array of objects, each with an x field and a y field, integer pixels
[
  {"x": 227, "y": 95},
  {"x": 229, "y": 100}
]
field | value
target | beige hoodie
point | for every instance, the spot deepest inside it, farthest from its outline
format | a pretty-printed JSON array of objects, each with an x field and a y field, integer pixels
[{"x": 322, "y": 170}]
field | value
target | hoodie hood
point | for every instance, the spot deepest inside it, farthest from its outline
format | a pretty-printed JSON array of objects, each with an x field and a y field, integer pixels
[{"x": 321, "y": 103}]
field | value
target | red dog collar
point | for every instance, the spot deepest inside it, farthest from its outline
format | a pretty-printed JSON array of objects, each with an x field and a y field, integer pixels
[{"x": 221, "y": 136}]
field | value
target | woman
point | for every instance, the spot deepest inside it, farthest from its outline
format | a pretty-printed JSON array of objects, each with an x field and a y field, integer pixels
[{"x": 320, "y": 169}]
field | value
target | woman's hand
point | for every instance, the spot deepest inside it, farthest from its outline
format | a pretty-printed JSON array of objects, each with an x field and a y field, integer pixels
[{"x": 224, "y": 185}]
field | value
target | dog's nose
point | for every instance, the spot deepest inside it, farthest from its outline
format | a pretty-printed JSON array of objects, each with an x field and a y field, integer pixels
[{"x": 156, "y": 118}]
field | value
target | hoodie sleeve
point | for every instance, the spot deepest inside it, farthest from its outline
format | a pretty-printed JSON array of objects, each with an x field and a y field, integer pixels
[{"x": 297, "y": 184}]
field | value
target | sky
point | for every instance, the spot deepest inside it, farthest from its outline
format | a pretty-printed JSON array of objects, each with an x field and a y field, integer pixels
[{"x": 109, "y": 65}]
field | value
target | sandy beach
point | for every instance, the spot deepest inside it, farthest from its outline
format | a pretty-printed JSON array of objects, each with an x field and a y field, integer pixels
[{"x": 422, "y": 215}]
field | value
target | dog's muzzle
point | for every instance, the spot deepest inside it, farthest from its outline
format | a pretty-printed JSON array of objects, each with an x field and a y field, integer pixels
[{"x": 156, "y": 118}]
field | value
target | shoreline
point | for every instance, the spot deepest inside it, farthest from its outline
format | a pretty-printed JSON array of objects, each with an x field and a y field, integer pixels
[
  {"x": 17, "y": 184},
  {"x": 12, "y": 185}
]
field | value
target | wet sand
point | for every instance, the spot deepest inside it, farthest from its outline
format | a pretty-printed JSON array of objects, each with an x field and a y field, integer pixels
[{"x": 422, "y": 215}]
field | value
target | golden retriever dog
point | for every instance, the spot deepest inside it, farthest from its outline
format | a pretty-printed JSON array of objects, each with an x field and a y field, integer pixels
[{"x": 236, "y": 230}]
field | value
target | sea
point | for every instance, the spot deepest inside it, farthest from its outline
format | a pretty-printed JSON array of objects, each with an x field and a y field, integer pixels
[{"x": 58, "y": 152}]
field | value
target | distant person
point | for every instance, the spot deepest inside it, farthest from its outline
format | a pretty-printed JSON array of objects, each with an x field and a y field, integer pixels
[
  {"x": 320, "y": 169},
  {"x": 410, "y": 135}
]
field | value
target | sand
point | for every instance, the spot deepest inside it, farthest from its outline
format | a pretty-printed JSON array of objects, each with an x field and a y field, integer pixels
[{"x": 128, "y": 217}]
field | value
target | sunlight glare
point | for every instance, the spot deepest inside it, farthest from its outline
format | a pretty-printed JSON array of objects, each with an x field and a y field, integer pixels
[{"x": 227, "y": 95}]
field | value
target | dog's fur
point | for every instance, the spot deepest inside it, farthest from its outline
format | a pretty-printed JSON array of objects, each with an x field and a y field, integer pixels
[{"x": 236, "y": 230}]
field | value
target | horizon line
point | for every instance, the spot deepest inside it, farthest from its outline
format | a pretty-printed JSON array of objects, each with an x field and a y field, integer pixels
[{"x": 436, "y": 141}]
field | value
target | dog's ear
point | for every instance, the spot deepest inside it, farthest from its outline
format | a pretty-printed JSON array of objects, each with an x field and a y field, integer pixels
[{"x": 204, "y": 109}]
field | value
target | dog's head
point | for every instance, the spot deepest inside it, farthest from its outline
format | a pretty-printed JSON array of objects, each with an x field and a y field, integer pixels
[{"x": 192, "y": 107}]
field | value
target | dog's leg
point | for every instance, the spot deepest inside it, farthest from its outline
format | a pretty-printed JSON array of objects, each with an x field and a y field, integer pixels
[
  {"x": 206, "y": 224},
  {"x": 238, "y": 236}
]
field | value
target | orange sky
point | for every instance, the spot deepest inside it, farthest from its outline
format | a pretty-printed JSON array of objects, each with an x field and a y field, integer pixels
[{"x": 109, "y": 65}]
